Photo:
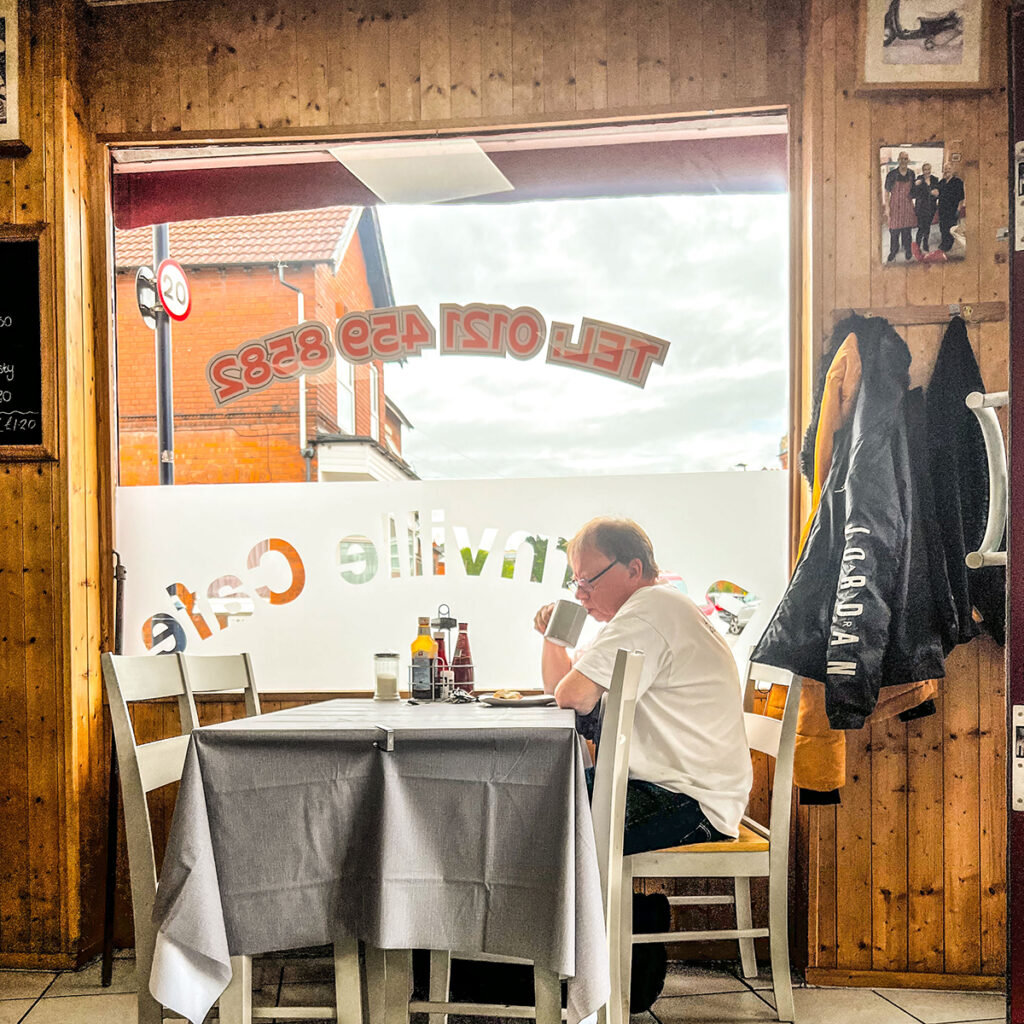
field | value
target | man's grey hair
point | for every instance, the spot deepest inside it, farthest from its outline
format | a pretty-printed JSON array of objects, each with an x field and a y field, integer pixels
[{"x": 618, "y": 538}]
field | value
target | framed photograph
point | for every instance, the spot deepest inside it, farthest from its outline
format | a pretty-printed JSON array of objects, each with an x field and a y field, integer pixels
[
  {"x": 922, "y": 205},
  {"x": 908, "y": 45},
  {"x": 10, "y": 131}
]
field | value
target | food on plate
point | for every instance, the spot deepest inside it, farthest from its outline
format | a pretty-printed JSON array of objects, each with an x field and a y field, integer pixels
[{"x": 508, "y": 695}]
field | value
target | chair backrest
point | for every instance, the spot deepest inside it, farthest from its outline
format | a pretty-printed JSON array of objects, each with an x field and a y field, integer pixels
[
  {"x": 775, "y": 737},
  {"x": 221, "y": 673},
  {"x": 147, "y": 766},
  {"x": 608, "y": 807}
]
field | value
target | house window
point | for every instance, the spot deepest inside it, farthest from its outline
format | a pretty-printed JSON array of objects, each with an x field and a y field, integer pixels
[
  {"x": 374, "y": 403},
  {"x": 345, "y": 376}
]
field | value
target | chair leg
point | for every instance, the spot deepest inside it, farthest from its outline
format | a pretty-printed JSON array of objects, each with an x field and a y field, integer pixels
[
  {"x": 778, "y": 939},
  {"x": 745, "y": 919},
  {"x": 347, "y": 994},
  {"x": 440, "y": 982},
  {"x": 397, "y": 985},
  {"x": 625, "y": 946},
  {"x": 547, "y": 996},
  {"x": 235, "y": 1003},
  {"x": 375, "y": 984}
]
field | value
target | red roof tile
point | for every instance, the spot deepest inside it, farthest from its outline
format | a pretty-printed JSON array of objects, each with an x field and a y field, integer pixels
[{"x": 292, "y": 237}]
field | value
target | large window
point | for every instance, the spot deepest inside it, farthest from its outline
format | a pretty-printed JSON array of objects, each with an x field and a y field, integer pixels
[{"x": 465, "y": 384}]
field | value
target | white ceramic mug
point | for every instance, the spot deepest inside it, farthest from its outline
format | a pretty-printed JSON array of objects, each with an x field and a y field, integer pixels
[{"x": 566, "y": 623}]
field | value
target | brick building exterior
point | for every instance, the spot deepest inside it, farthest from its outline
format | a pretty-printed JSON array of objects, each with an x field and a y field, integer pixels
[{"x": 234, "y": 266}]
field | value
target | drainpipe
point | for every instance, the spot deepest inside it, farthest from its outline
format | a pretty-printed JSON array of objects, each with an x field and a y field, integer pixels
[{"x": 305, "y": 450}]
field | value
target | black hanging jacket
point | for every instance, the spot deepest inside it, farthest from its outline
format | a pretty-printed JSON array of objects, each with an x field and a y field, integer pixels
[
  {"x": 959, "y": 472},
  {"x": 860, "y": 611}
]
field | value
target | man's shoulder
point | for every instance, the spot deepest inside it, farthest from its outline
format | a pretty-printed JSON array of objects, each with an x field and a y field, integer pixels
[{"x": 661, "y": 606}]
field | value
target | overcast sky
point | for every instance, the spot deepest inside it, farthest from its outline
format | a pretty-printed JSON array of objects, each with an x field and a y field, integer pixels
[{"x": 706, "y": 273}]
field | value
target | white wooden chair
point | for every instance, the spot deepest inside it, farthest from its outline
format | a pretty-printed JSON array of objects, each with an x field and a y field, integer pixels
[
  {"x": 148, "y": 766},
  {"x": 752, "y": 855},
  {"x": 547, "y": 983},
  {"x": 221, "y": 673}
]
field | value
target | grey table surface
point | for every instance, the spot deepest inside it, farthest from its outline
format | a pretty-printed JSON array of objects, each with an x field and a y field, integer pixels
[{"x": 472, "y": 833}]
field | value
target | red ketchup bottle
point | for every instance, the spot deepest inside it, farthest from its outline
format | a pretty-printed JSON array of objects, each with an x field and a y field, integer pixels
[{"x": 462, "y": 661}]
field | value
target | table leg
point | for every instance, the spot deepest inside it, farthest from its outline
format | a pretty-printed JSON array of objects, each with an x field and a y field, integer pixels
[
  {"x": 347, "y": 995},
  {"x": 440, "y": 982},
  {"x": 398, "y": 985},
  {"x": 235, "y": 1003},
  {"x": 547, "y": 996},
  {"x": 375, "y": 984}
]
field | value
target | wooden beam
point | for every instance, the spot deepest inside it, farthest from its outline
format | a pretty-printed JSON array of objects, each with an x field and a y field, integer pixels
[
  {"x": 903, "y": 316},
  {"x": 906, "y": 979}
]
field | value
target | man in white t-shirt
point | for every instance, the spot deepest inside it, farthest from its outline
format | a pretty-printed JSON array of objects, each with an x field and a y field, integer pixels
[{"x": 689, "y": 765}]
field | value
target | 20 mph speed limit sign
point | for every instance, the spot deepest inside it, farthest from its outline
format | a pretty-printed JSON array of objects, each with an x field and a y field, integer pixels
[{"x": 174, "y": 291}]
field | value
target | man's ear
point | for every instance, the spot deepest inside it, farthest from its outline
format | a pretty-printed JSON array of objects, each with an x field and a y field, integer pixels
[{"x": 636, "y": 568}]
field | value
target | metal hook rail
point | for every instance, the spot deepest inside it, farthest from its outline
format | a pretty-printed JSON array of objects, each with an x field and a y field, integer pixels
[{"x": 983, "y": 407}]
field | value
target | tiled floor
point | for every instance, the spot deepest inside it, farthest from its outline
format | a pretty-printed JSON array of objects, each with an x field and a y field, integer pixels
[{"x": 701, "y": 995}]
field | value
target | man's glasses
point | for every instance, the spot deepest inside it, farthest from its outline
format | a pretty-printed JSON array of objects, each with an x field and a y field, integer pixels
[{"x": 575, "y": 586}]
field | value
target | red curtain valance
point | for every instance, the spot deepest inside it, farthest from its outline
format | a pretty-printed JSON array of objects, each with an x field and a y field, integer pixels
[{"x": 749, "y": 164}]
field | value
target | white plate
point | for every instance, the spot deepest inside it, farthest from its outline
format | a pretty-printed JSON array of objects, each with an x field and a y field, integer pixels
[{"x": 537, "y": 701}]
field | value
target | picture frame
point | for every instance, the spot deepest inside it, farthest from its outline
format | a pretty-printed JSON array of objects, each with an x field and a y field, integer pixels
[
  {"x": 11, "y": 143},
  {"x": 904, "y": 47},
  {"x": 28, "y": 382}
]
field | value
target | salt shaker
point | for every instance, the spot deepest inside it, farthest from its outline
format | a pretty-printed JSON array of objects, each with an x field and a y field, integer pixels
[{"x": 385, "y": 676}]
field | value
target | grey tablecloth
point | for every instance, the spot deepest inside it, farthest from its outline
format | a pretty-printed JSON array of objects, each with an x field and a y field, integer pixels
[{"x": 292, "y": 829}]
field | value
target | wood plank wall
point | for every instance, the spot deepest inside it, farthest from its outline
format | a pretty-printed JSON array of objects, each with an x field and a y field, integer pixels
[
  {"x": 230, "y": 69},
  {"x": 907, "y": 875},
  {"x": 49, "y": 609},
  {"x": 280, "y": 68},
  {"x": 195, "y": 67}
]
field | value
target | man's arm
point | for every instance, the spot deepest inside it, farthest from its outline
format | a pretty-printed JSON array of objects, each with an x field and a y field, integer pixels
[
  {"x": 554, "y": 665},
  {"x": 576, "y": 691}
]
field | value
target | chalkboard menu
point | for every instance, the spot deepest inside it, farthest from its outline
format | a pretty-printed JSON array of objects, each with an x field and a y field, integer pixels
[{"x": 24, "y": 398}]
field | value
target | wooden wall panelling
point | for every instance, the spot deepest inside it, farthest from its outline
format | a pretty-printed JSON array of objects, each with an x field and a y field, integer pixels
[
  {"x": 992, "y": 777},
  {"x": 961, "y": 826},
  {"x": 653, "y": 53},
  {"x": 282, "y": 63},
  {"x": 855, "y": 189},
  {"x": 750, "y": 77},
  {"x": 88, "y": 708},
  {"x": 527, "y": 58},
  {"x": 925, "y": 877},
  {"x": 888, "y": 845},
  {"x": 558, "y": 81},
  {"x": 311, "y": 32},
  {"x": 435, "y": 60},
  {"x": 686, "y": 75},
  {"x": 164, "y": 79},
  {"x": 14, "y": 746},
  {"x": 404, "y": 69},
  {"x": 717, "y": 55},
  {"x": 193, "y": 84},
  {"x": 223, "y": 64},
  {"x": 824, "y": 181},
  {"x": 467, "y": 56},
  {"x": 496, "y": 84},
  {"x": 622, "y": 42},
  {"x": 822, "y": 926},
  {"x": 371, "y": 52},
  {"x": 341, "y": 73},
  {"x": 853, "y": 879}
]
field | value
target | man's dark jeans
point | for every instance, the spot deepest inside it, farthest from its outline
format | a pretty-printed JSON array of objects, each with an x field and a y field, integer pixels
[{"x": 657, "y": 818}]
